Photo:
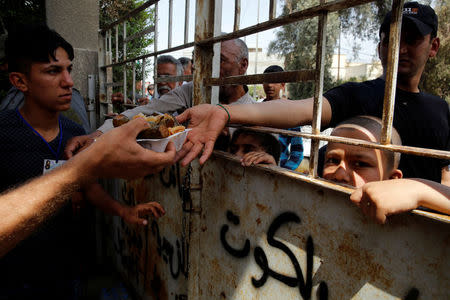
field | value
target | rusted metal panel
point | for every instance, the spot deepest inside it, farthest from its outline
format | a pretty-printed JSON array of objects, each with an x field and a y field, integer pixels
[
  {"x": 263, "y": 234},
  {"x": 391, "y": 72},
  {"x": 153, "y": 260},
  {"x": 259, "y": 231}
]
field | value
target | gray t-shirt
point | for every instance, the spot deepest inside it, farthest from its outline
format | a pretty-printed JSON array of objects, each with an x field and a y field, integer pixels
[{"x": 176, "y": 101}]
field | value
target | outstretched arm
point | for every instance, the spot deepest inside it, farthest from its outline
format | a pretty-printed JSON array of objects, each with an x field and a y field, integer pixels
[
  {"x": 115, "y": 154},
  {"x": 207, "y": 121},
  {"x": 131, "y": 214},
  {"x": 381, "y": 199}
]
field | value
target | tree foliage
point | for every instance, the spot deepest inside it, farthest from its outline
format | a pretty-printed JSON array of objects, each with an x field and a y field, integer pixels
[
  {"x": 436, "y": 77},
  {"x": 17, "y": 12},
  {"x": 112, "y": 10}
]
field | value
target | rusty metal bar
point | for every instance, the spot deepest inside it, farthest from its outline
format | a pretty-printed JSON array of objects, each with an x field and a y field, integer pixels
[
  {"x": 291, "y": 18},
  {"x": 129, "y": 15},
  {"x": 155, "y": 53},
  {"x": 143, "y": 78},
  {"x": 133, "y": 86},
  {"x": 276, "y": 77},
  {"x": 272, "y": 9},
  {"x": 114, "y": 84},
  {"x": 237, "y": 15},
  {"x": 186, "y": 21},
  {"x": 155, "y": 46},
  {"x": 169, "y": 38},
  {"x": 175, "y": 78},
  {"x": 117, "y": 43},
  {"x": 441, "y": 154},
  {"x": 317, "y": 107},
  {"x": 391, "y": 72},
  {"x": 124, "y": 39},
  {"x": 109, "y": 45},
  {"x": 145, "y": 31}
]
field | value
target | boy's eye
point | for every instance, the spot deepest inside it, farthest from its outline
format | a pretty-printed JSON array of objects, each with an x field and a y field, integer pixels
[
  {"x": 332, "y": 161},
  {"x": 362, "y": 164}
]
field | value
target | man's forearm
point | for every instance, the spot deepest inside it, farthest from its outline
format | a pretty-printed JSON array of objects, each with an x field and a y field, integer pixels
[
  {"x": 22, "y": 210},
  {"x": 278, "y": 113}
]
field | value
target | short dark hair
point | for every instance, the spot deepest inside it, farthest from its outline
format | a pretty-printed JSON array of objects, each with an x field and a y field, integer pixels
[
  {"x": 185, "y": 61},
  {"x": 27, "y": 44},
  {"x": 267, "y": 141},
  {"x": 273, "y": 68}
]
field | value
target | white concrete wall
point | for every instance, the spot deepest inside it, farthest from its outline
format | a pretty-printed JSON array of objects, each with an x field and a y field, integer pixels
[{"x": 77, "y": 21}]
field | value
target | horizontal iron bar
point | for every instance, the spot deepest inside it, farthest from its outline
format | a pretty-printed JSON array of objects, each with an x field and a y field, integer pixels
[
  {"x": 276, "y": 77},
  {"x": 284, "y": 20},
  {"x": 441, "y": 154},
  {"x": 184, "y": 46},
  {"x": 129, "y": 15},
  {"x": 114, "y": 84},
  {"x": 147, "y": 30},
  {"x": 174, "y": 78}
]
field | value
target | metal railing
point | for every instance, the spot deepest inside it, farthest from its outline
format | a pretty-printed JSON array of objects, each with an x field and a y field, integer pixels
[{"x": 207, "y": 48}]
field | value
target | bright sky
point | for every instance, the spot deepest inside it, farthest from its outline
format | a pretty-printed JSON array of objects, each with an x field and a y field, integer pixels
[{"x": 249, "y": 17}]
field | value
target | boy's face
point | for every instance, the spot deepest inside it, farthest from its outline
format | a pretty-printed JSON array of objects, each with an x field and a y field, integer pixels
[
  {"x": 49, "y": 85},
  {"x": 272, "y": 90},
  {"x": 354, "y": 165},
  {"x": 245, "y": 144}
]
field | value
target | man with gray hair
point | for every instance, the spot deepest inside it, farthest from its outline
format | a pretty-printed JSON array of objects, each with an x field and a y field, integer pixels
[
  {"x": 186, "y": 62},
  {"x": 233, "y": 62},
  {"x": 167, "y": 65}
]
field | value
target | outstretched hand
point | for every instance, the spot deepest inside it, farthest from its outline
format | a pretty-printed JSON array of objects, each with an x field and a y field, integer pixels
[
  {"x": 206, "y": 122},
  {"x": 257, "y": 157},
  {"x": 117, "y": 154},
  {"x": 139, "y": 213}
]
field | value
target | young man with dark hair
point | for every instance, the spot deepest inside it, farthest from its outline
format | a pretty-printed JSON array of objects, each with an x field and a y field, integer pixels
[
  {"x": 32, "y": 140},
  {"x": 422, "y": 120}
]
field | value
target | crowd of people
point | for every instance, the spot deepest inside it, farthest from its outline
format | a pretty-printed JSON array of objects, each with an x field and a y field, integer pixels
[{"x": 45, "y": 143}]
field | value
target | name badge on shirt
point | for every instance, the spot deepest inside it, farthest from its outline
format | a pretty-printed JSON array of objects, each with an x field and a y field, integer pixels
[{"x": 50, "y": 164}]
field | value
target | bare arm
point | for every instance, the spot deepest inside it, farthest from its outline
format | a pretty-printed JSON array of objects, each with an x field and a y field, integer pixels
[
  {"x": 115, "y": 154},
  {"x": 381, "y": 199},
  {"x": 207, "y": 121}
]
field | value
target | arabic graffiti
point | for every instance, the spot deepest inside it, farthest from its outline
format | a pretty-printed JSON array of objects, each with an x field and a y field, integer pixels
[
  {"x": 303, "y": 282},
  {"x": 167, "y": 251},
  {"x": 305, "y": 286}
]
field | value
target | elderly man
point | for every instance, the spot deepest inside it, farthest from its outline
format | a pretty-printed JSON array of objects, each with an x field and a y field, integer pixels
[
  {"x": 233, "y": 61},
  {"x": 186, "y": 62},
  {"x": 422, "y": 120},
  {"x": 166, "y": 65}
]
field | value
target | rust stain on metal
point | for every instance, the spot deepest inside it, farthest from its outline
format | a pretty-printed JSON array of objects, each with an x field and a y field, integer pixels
[
  {"x": 204, "y": 228},
  {"x": 261, "y": 207},
  {"x": 222, "y": 295},
  {"x": 258, "y": 221}
]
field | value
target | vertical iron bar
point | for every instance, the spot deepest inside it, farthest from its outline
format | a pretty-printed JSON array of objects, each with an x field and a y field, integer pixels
[
  {"x": 317, "y": 108},
  {"x": 133, "y": 86},
  {"x": 186, "y": 22},
  {"x": 117, "y": 43},
  {"x": 143, "y": 78},
  {"x": 169, "y": 40},
  {"x": 272, "y": 9},
  {"x": 155, "y": 49},
  {"x": 391, "y": 72},
  {"x": 237, "y": 14},
  {"x": 125, "y": 65},
  {"x": 109, "y": 46}
]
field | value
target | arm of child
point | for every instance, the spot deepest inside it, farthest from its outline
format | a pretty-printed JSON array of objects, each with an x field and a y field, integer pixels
[
  {"x": 131, "y": 214},
  {"x": 381, "y": 199},
  {"x": 257, "y": 157}
]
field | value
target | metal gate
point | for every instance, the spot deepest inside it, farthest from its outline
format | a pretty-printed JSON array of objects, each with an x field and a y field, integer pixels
[{"x": 265, "y": 232}]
